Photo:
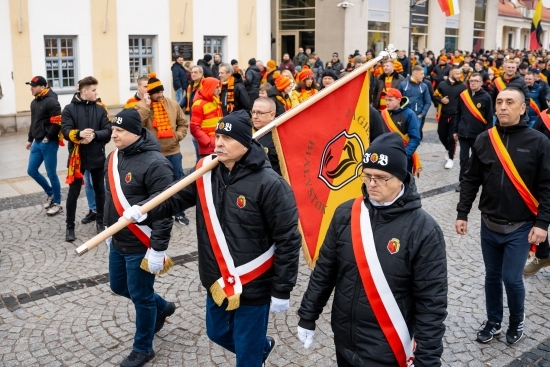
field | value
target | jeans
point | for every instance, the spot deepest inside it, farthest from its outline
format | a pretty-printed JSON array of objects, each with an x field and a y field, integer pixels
[
  {"x": 128, "y": 280},
  {"x": 242, "y": 331},
  {"x": 465, "y": 145},
  {"x": 89, "y": 189},
  {"x": 445, "y": 129},
  {"x": 196, "y": 145},
  {"x": 98, "y": 177},
  {"x": 47, "y": 153},
  {"x": 504, "y": 256},
  {"x": 179, "y": 95}
]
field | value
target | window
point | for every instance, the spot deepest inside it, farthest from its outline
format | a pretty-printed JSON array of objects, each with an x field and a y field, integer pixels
[
  {"x": 451, "y": 39},
  {"x": 213, "y": 45},
  {"x": 479, "y": 24},
  {"x": 142, "y": 57},
  {"x": 379, "y": 34},
  {"x": 296, "y": 15},
  {"x": 61, "y": 62}
]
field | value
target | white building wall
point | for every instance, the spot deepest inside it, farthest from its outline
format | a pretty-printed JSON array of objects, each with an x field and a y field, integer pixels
[
  {"x": 216, "y": 18},
  {"x": 263, "y": 35},
  {"x": 7, "y": 103},
  {"x": 151, "y": 19},
  {"x": 436, "y": 28},
  {"x": 399, "y": 25},
  {"x": 45, "y": 20},
  {"x": 355, "y": 28}
]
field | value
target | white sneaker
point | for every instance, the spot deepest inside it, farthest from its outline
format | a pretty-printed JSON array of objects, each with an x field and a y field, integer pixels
[
  {"x": 48, "y": 202},
  {"x": 54, "y": 210},
  {"x": 449, "y": 164}
]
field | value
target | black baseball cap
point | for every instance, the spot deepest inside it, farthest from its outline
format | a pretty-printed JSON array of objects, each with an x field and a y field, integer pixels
[{"x": 37, "y": 80}]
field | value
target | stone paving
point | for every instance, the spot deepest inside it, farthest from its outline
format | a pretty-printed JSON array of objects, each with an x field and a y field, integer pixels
[{"x": 56, "y": 309}]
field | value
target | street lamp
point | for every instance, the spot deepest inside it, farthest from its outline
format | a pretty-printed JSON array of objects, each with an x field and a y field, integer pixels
[{"x": 414, "y": 4}]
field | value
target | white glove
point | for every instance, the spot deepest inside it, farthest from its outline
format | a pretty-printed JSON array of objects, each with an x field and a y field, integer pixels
[
  {"x": 156, "y": 261},
  {"x": 279, "y": 305},
  {"x": 134, "y": 213},
  {"x": 306, "y": 336}
]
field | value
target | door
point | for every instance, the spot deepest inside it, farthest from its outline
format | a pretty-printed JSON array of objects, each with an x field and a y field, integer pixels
[{"x": 287, "y": 44}]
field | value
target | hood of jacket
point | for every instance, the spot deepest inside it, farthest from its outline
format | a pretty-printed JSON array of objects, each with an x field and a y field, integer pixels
[
  {"x": 78, "y": 100},
  {"x": 409, "y": 201},
  {"x": 410, "y": 84},
  {"x": 273, "y": 91},
  {"x": 404, "y": 103},
  {"x": 394, "y": 75},
  {"x": 147, "y": 142},
  {"x": 203, "y": 63},
  {"x": 255, "y": 68},
  {"x": 206, "y": 92},
  {"x": 50, "y": 94},
  {"x": 175, "y": 65}
]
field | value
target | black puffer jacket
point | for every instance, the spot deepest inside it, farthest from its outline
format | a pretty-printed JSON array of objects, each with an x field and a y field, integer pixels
[
  {"x": 242, "y": 100},
  {"x": 149, "y": 172},
  {"x": 269, "y": 217},
  {"x": 253, "y": 79},
  {"x": 80, "y": 115},
  {"x": 206, "y": 68},
  {"x": 42, "y": 109},
  {"x": 416, "y": 275},
  {"x": 541, "y": 126},
  {"x": 530, "y": 152}
]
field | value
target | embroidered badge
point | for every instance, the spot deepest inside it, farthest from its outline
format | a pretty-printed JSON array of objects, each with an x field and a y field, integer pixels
[
  {"x": 393, "y": 246},
  {"x": 241, "y": 201},
  {"x": 128, "y": 177},
  {"x": 478, "y": 105},
  {"x": 230, "y": 280}
]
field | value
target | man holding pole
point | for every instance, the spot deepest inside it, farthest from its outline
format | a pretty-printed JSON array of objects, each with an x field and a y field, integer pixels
[
  {"x": 134, "y": 171},
  {"x": 249, "y": 244}
]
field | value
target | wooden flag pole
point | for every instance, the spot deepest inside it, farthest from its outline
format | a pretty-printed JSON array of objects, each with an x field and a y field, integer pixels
[{"x": 172, "y": 190}]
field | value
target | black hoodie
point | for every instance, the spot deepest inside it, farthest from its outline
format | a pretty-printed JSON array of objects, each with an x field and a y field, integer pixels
[
  {"x": 466, "y": 124},
  {"x": 269, "y": 216},
  {"x": 530, "y": 152},
  {"x": 42, "y": 110},
  {"x": 416, "y": 275},
  {"x": 143, "y": 172}
]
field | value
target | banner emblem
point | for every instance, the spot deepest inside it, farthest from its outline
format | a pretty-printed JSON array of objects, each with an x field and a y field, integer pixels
[{"x": 338, "y": 173}]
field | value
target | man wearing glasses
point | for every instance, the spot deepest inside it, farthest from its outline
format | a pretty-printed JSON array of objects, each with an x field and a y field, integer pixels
[
  {"x": 384, "y": 257},
  {"x": 475, "y": 115},
  {"x": 263, "y": 112}
]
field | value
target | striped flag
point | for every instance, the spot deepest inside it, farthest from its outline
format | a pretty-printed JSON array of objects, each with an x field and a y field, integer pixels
[
  {"x": 321, "y": 151},
  {"x": 536, "y": 28},
  {"x": 449, "y": 7}
]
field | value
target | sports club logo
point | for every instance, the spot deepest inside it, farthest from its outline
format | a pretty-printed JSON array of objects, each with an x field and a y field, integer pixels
[
  {"x": 341, "y": 160},
  {"x": 224, "y": 126},
  {"x": 128, "y": 177},
  {"x": 381, "y": 159},
  {"x": 393, "y": 246},
  {"x": 241, "y": 201}
]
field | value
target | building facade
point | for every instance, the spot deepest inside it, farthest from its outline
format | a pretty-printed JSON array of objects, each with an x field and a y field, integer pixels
[
  {"x": 117, "y": 41},
  {"x": 326, "y": 26}
]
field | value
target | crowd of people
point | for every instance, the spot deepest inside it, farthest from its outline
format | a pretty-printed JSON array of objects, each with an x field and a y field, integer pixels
[{"x": 493, "y": 104}]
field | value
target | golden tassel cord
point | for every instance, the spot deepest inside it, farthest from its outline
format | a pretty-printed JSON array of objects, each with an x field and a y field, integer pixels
[
  {"x": 218, "y": 295},
  {"x": 168, "y": 264},
  {"x": 233, "y": 302}
]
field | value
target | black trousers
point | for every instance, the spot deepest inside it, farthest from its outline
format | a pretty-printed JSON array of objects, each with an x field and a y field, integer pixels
[
  {"x": 422, "y": 121},
  {"x": 445, "y": 129},
  {"x": 465, "y": 145},
  {"x": 98, "y": 181},
  {"x": 341, "y": 361}
]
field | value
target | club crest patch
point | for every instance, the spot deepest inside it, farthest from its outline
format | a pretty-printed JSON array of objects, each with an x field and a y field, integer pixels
[
  {"x": 241, "y": 201},
  {"x": 478, "y": 105},
  {"x": 393, "y": 246},
  {"x": 266, "y": 150},
  {"x": 128, "y": 177}
]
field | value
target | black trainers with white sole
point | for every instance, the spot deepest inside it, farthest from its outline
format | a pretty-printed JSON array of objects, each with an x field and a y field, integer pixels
[
  {"x": 136, "y": 359},
  {"x": 487, "y": 331},
  {"x": 515, "y": 330}
]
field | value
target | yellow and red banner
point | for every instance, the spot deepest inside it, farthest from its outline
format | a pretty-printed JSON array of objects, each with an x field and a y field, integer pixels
[
  {"x": 449, "y": 7},
  {"x": 536, "y": 28},
  {"x": 470, "y": 105},
  {"x": 321, "y": 151}
]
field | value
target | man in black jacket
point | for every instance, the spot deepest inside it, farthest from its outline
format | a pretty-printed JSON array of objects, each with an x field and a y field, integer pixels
[
  {"x": 440, "y": 72},
  {"x": 509, "y": 78},
  {"x": 509, "y": 223},
  {"x": 86, "y": 126},
  {"x": 446, "y": 97},
  {"x": 43, "y": 142},
  {"x": 205, "y": 63},
  {"x": 402, "y": 252},
  {"x": 233, "y": 96},
  {"x": 134, "y": 171},
  {"x": 216, "y": 66},
  {"x": 263, "y": 112},
  {"x": 389, "y": 79},
  {"x": 475, "y": 115},
  {"x": 252, "y": 81},
  {"x": 244, "y": 210},
  {"x": 179, "y": 80}
]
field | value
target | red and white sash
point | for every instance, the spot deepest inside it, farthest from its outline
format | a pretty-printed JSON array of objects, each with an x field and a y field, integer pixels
[
  {"x": 230, "y": 285},
  {"x": 376, "y": 286}
]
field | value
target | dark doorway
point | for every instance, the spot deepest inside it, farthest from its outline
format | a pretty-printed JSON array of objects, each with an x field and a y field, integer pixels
[
  {"x": 307, "y": 40},
  {"x": 288, "y": 45}
]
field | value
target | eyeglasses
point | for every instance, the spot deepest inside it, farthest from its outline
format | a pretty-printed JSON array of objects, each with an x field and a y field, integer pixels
[
  {"x": 475, "y": 81},
  {"x": 259, "y": 113},
  {"x": 378, "y": 181}
]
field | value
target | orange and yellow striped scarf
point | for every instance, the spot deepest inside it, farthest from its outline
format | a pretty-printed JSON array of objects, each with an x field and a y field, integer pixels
[
  {"x": 287, "y": 103},
  {"x": 74, "y": 167},
  {"x": 305, "y": 94},
  {"x": 230, "y": 95},
  {"x": 161, "y": 120}
]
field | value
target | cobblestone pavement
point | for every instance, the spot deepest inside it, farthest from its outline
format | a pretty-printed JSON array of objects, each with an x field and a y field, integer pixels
[{"x": 56, "y": 309}]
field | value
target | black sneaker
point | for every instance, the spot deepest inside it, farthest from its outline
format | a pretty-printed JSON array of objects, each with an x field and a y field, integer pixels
[
  {"x": 99, "y": 227},
  {"x": 69, "y": 235},
  {"x": 515, "y": 330},
  {"x": 457, "y": 189},
  {"x": 161, "y": 318},
  {"x": 272, "y": 344},
  {"x": 182, "y": 219},
  {"x": 136, "y": 359},
  {"x": 487, "y": 331},
  {"x": 89, "y": 218}
]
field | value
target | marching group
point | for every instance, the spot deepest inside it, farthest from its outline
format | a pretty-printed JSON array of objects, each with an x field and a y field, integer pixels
[{"x": 383, "y": 255}]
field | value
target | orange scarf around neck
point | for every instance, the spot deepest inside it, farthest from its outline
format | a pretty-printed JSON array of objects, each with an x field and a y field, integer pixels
[{"x": 161, "y": 120}]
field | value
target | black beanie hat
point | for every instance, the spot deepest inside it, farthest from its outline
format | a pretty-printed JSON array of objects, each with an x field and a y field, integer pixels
[
  {"x": 252, "y": 61},
  {"x": 154, "y": 85},
  {"x": 207, "y": 57},
  {"x": 329, "y": 73},
  {"x": 387, "y": 153},
  {"x": 236, "y": 125},
  {"x": 129, "y": 120}
]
